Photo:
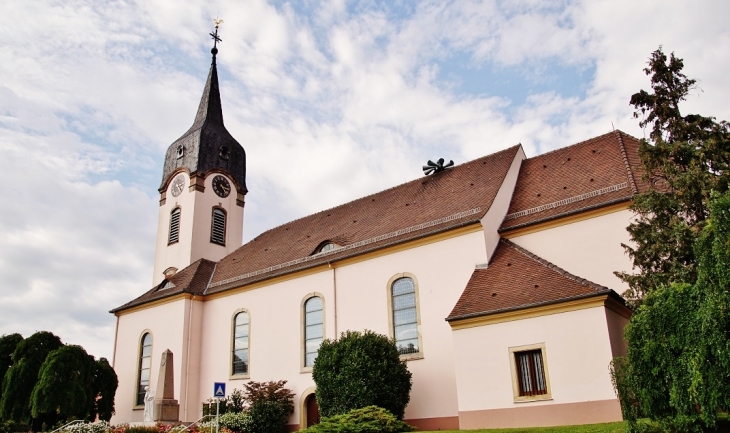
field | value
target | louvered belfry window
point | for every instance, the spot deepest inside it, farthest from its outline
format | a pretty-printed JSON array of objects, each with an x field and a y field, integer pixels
[
  {"x": 174, "y": 226},
  {"x": 218, "y": 227},
  {"x": 530, "y": 373}
]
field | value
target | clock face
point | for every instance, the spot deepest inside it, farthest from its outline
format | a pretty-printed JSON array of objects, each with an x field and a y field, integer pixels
[
  {"x": 221, "y": 186},
  {"x": 177, "y": 185}
]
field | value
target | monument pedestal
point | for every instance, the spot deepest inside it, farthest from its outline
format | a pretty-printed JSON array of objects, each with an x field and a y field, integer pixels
[{"x": 166, "y": 410}]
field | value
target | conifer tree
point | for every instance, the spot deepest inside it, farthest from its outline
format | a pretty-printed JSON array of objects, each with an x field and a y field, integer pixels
[
  {"x": 21, "y": 377},
  {"x": 8, "y": 343},
  {"x": 685, "y": 158}
]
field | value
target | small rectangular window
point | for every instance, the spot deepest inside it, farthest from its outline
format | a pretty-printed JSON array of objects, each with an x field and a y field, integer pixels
[{"x": 529, "y": 373}]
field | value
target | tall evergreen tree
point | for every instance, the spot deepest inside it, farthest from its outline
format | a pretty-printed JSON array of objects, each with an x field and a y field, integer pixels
[
  {"x": 105, "y": 385},
  {"x": 65, "y": 385},
  {"x": 21, "y": 377},
  {"x": 8, "y": 343},
  {"x": 685, "y": 157}
]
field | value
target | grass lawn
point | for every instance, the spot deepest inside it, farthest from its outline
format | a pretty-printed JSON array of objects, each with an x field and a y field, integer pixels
[{"x": 614, "y": 427}]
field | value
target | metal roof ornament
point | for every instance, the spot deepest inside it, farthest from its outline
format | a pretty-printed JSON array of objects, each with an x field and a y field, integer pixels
[
  {"x": 436, "y": 167},
  {"x": 215, "y": 37}
]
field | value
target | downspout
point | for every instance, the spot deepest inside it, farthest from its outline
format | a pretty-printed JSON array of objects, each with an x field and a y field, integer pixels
[
  {"x": 187, "y": 358},
  {"x": 116, "y": 335},
  {"x": 334, "y": 288}
]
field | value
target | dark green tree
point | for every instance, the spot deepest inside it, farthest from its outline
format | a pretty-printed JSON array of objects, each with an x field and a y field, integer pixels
[
  {"x": 679, "y": 337},
  {"x": 104, "y": 387},
  {"x": 65, "y": 385},
  {"x": 22, "y": 376},
  {"x": 359, "y": 370},
  {"x": 685, "y": 157},
  {"x": 8, "y": 343}
]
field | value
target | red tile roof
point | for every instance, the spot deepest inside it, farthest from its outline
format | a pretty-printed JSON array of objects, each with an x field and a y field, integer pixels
[
  {"x": 458, "y": 196},
  {"x": 594, "y": 173},
  {"x": 193, "y": 280},
  {"x": 517, "y": 279}
]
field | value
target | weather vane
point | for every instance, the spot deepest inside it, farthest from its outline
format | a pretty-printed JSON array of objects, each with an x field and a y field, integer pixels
[{"x": 215, "y": 37}]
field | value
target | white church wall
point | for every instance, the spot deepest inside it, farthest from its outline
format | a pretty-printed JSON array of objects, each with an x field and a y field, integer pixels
[
  {"x": 495, "y": 215},
  {"x": 205, "y": 201},
  {"x": 616, "y": 326},
  {"x": 589, "y": 248},
  {"x": 442, "y": 270},
  {"x": 177, "y": 254},
  {"x": 577, "y": 352},
  {"x": 166, "y": 324}
]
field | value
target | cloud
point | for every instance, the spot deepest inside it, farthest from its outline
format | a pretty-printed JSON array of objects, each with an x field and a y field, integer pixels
[{"x": 331, "y": 100}]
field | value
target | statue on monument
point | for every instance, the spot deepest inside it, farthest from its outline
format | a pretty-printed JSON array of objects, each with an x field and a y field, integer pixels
[{"x": 149, "y": 398}]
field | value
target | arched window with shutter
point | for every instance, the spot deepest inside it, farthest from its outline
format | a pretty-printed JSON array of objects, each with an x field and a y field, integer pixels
[
  {"x": 218, "y": 227},
  {"x": 144, "y": 367},
  {"x": 174, "y": 236}
]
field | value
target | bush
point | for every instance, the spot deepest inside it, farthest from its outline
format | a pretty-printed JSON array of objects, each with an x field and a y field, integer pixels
[
  {"x": 12, "y": 427},
  {"x": 125, "y": 428},
  {"x": 370, "y": 419},
  {"x": 88, "y": 427},
  {"x": 359, "y": 370},
  {"x": 235, "y": 421},
  {"x": 269, "y": 391},
  {"x": 267, "y": 417}
]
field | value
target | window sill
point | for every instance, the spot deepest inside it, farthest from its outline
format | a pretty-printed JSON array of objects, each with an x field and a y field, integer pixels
[
  {"x": 305, "y": 370},
  {"x": 411, "y": 357},
  {"x": 138, "y": 407},
  {"x": 240, "y": 376},
  {"x": 544, "y": 397}
]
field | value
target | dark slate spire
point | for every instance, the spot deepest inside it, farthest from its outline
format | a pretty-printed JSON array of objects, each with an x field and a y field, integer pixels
[{"x": 207, "y": 145}]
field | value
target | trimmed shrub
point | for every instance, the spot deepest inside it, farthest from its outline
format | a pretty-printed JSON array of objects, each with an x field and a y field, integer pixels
[
  {"x": 370, "y": 419},
  {"x": 359, "y": 370},
  {"x": 267, "y": 417}
]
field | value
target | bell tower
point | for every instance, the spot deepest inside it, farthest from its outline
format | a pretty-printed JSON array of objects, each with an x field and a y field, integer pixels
[{"x": 203, "y": 188}]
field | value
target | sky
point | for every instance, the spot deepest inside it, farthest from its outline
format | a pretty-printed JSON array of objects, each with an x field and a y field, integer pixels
[{"x": 332, "y": 100}]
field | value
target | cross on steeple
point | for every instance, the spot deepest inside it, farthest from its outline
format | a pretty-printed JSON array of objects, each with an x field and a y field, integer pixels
[{"x": 215, "y": 37}]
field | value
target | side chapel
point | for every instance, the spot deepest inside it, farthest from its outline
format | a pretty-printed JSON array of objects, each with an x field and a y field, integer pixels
[{"x": 494, "y": 278}]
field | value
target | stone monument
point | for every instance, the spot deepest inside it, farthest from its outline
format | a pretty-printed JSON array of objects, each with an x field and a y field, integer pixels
[{"x": 166, "y": 408}]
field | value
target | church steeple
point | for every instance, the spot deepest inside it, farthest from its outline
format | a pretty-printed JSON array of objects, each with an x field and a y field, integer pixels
[
  {"x": 207, "y": 145},
  {"x": 203, "y": 188}
]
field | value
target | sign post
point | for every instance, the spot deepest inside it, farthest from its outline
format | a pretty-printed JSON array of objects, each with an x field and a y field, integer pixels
[{"x": 219, "y": 392}]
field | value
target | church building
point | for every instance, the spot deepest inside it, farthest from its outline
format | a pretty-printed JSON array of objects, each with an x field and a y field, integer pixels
[{"x": 494, "y": 277}]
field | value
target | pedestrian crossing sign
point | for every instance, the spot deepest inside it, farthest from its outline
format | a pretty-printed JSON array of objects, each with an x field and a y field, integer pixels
[{"x": 219, "y": 389}]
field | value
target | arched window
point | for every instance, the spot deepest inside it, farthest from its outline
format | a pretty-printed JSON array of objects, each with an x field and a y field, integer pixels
[
  {"x": 218, "y": 227},
  {"x": 239, "y": 360},
  {"x": 405, "y": 316},
  {"x": 174, "y": 226},
  {"x": 145, "y": 363},
  {"x": 313, "y": 328}
]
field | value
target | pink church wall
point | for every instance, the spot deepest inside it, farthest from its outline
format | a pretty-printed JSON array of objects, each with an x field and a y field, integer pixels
[
  {"x": 577, "y": 350},
  {"x": 495, "y": 215},
  {"x": 590, "y": 249},
  {"x": 442, "y": 270},
  {"x": 166, "y": 324},
  {"x": 196, "y": 212},
  {"x": 616, "y": 325}
]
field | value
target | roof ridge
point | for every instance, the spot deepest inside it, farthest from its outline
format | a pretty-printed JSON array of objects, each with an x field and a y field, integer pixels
[
  {"x": 382, "y": 191},
  {"x": 625, "y": 157},
  {"x": 560, "y": 149},
  {"x": 553, "y": 267}
]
